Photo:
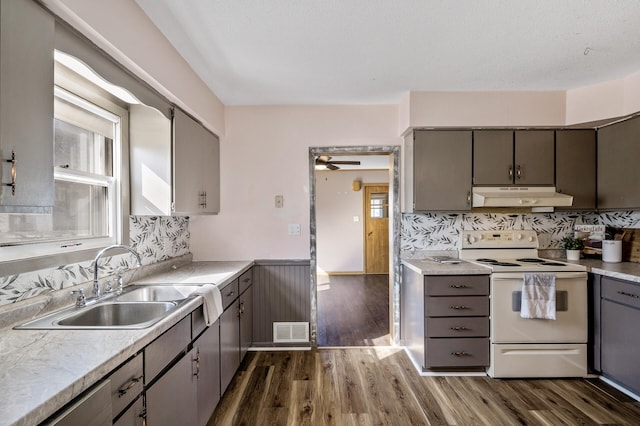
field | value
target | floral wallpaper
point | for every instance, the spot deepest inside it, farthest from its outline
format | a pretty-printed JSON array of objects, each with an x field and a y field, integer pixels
[
  {"x": 155, "y": 238},
  {"x": 441, "y": 231}
]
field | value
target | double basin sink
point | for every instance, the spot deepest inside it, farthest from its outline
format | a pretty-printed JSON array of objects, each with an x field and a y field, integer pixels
[{"x": 139, "y": 306}]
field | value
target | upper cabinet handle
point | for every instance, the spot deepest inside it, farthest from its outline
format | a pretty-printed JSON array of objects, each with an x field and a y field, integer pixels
[
  {"x": 510, "y": 171},
  {"x": 13, "y": 173},
  {"x": 519, "y": 172}
]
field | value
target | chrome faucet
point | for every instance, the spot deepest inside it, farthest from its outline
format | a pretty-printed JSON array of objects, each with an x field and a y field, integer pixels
[{"x": 96, "y": 283}]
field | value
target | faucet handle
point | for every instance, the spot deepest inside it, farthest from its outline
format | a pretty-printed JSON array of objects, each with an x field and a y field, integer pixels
[{"x": 81, "y": 300}]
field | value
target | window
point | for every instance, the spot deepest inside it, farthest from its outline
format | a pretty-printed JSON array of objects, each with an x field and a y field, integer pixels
[
  {"x": 87, "y": 150},
  {"x": 379, "y": 207}
]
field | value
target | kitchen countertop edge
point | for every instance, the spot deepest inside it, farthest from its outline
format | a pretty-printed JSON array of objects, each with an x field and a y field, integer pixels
[{"x": 26, "y": 354}]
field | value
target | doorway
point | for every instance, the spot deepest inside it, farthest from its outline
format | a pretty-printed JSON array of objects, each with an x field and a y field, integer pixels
[{"x": 391, "y": 283}]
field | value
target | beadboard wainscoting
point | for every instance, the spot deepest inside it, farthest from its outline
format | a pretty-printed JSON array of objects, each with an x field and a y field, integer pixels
[
  {"x": 155, "y": 238},
  {"x": 441, "y": 231},
  {"x": 281, "y": 291}
]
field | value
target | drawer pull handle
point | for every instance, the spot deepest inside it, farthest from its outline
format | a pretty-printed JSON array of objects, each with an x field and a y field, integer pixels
[
  {"x": 459, "y": 353},
  {"x": 458, "y": 307},
  {"x": 231, "y": 293},
  {"x": 624, "y": 293},
  {"x": 458, "y": 286},
  {"x": 459, "y": 328},
  {"x": 127, "y": 387},
  {"x": 246, "y": 280}
]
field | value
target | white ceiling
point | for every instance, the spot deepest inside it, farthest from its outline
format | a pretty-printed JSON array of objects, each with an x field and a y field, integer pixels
[{"x": 296, "y": 52}]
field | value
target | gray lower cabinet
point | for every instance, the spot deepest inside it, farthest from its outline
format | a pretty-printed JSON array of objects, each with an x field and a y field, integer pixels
[
  {"x": 135, "y": 415},
  {"x": 576, "y": 167},
  {"x": 619, "y": 333},
  {"x": 442, "y": 170},
  {"x": 173, "y": 399},
  {"x": 456, "y": 321},
  {"x": 26, "y": 105},
  {"x": 618, "y": 171},
  {"x": 126, "y": 385},
  {"x": 91, "y": 408},
  {"x": 207, "y": 348},
  {"x": 229, "y": 344},
  {"x": 246, "y": 321}
]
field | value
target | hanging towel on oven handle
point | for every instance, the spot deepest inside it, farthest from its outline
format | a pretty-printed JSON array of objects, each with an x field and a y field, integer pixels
[{"x": 538, "y": 296}]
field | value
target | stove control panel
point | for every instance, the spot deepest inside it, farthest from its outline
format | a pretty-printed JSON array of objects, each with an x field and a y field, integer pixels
[{"x": 499, "y": 239}]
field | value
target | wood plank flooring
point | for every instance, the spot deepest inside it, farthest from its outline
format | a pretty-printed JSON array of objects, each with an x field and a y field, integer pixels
[
  {"x": 353, "y": 310},
  {"x": 379, "y": 386}
]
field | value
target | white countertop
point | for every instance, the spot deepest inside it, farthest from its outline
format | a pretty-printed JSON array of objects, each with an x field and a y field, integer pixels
[
  {"x": 42, "y": 370},
  {"x": 427, "y": 266},
  {"x": 623, "y": 270}
]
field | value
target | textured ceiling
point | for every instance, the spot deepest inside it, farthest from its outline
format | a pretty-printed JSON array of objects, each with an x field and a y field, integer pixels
[{"x": 293, "y": 52}]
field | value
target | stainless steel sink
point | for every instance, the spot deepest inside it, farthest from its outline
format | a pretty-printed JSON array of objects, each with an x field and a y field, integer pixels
[
  {"x": 155, "y": 293},
  {"x": 138, "y": 307},
  {"x": 140, "y": 314}
]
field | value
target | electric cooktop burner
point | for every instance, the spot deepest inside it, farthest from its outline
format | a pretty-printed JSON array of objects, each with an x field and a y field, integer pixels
[
  {"x": 496, "y": 262},
  {"x": 530, "y": 260}
]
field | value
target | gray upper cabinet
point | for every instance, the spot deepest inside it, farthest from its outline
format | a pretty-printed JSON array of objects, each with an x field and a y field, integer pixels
[
  {"x": 576, "y": 166},
  {"x": 196, "y": 164},
  {"x": 493, "y": 157},
  {"x": 26, "y": 105},
  {"x": 505, "y": 157},
  {"x": 618, "y": 171},
  {"x": 442, "y": 170},
  {"x": 175, "y": 165}
]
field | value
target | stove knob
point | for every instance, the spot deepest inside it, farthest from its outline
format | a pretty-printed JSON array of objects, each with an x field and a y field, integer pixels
[
  {"x": 472, "y": 239},
  {"x": 519, "y": 236},
  {"x": 530, "y": 239}
]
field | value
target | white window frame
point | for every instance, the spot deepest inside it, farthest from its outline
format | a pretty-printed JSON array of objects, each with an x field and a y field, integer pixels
[{"x": 113, "y": 183}]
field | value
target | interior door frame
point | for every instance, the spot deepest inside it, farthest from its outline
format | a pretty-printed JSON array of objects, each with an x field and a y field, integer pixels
[{"x": 393, "y": 151}]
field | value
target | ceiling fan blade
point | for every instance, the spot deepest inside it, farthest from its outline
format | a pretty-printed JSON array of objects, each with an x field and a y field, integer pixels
[
  {"x": 352, "y": 163},
  {"x": 331, "y": 166}
]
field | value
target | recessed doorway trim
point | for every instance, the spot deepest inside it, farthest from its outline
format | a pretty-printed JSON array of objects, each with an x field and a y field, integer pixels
[{"x": 394, "y": 229}]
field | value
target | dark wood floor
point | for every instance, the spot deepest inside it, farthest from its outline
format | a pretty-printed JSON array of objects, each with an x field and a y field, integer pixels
[
  {"x": 353, "y": 310},
  {"x": 379, "y": 386}
]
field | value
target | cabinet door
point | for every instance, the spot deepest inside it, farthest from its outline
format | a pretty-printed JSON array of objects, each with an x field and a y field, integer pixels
[
  {"x": 618, "y": 171},
  {"x": 229, "y": 344},
  {"x": 208, "y": 379},
  {"x": 172, "y": 400},
  {"x": 246, "y": 321},
  {"x": 210, "y": 171},
  {"x": 534, "y": 157},
  {"x": 187, "y": 164},
  {"x": 26, "y": 104},
  {"x": 620, "y": 340},
  {"x": 442, "y": 170},
  {"x": 576, "y": 167},
  {"x": 493, "y": 157}
]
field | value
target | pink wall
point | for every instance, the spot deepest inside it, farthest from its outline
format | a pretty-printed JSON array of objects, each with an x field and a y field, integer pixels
[
  {"x": 264, "y": 154},
  {"x": 124, "y": 31}
]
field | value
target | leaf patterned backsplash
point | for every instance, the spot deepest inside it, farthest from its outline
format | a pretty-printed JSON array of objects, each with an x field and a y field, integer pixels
[
  {"x": 155, "y": 238},
  {"x": 441, "y": 231}
]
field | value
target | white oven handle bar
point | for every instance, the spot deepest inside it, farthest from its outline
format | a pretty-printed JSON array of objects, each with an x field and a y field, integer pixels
[{"x": 497, "y": 276}]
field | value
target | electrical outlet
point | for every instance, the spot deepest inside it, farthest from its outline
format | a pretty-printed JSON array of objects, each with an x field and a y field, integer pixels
[{"x": 279, "y": 201}]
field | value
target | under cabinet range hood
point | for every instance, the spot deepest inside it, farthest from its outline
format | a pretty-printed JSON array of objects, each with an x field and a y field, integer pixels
[{"x": 540, "y": 199}]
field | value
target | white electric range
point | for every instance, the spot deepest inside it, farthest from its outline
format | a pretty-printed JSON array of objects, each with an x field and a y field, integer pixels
[{"x": 530, "y": 347}]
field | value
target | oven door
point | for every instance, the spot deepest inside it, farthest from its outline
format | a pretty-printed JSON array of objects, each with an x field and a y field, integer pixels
[{"x": 570, "y": 325}]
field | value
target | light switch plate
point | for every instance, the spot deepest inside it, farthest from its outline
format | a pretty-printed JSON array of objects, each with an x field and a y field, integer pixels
[{"x": 294, "y": 229}]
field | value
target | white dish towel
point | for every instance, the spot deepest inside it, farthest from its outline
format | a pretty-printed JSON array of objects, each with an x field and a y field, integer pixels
[
  {"x": 212, "y": 305},
  {"x": 538, "y": 296}
]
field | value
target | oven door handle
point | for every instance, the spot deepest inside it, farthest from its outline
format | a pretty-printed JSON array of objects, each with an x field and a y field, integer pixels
[{"x": 498, "y": 276}]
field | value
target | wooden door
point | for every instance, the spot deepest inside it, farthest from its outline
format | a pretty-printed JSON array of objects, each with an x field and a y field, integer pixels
[{"x": 376, "y": 228}]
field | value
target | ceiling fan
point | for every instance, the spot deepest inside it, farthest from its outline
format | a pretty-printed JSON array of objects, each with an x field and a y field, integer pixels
[{"x": 324, "y": 160}]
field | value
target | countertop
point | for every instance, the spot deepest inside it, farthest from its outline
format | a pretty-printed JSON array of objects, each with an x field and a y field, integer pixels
[
  {"x": 623, "y": 270},
  {"x": 42, "y": 370},
  {"x": 426, "y": 266}
]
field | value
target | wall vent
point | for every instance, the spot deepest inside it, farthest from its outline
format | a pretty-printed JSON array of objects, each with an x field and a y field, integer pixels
[{"x": 290, "y": 332}]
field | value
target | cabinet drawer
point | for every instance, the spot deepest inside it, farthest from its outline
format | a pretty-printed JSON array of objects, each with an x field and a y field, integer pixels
[
  {"x": 133, "y": 416},
  {"x": 457, "y": 327},
  {"x": 165, "y": 348},
  {"x": 454, "y": 285},
  {"x": 469, "y": 352},
  {"x": 229, "y": 293},
  {"x": 126, "y": 384},
  {"x": 468, "y": 306},
  {"x": 246, "y": 280},
  {"x": 621, "y": 291}
]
